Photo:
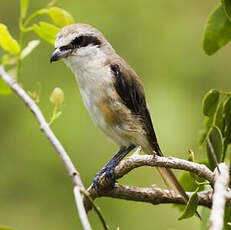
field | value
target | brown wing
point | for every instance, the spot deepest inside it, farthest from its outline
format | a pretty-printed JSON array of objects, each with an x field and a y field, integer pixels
[{"x": 131, "y": 92}]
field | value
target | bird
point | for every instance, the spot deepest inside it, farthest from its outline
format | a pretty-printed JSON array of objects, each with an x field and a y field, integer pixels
[{"x": 113, "y": 95}]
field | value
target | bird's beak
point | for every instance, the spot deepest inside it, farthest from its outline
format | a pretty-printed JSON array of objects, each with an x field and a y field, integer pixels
[{"x": 59, "y": 54}]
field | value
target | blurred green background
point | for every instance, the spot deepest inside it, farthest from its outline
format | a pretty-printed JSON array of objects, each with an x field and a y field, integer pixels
[{"x": 161, "y": 40}]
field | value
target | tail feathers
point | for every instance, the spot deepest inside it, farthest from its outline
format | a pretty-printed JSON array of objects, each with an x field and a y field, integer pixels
[
  {"x": 169, "y": 177},
  {"x": 171, "y": 181}
]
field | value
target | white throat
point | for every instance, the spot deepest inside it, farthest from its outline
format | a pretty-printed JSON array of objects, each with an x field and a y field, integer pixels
[
  {"x": 92, "y": 75},
  {"x": 87, "y": 65}
]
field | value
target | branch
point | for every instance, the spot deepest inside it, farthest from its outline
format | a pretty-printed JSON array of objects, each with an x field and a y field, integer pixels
[
  {"x": 216, "y": 219},
  {"x": 45, "y": 128},
  {"x": 154, "y": 195},
  {"x": 81, "y": 209},
  {"x": 140, "y": 194},
  {"x": 136, "y": 161}
]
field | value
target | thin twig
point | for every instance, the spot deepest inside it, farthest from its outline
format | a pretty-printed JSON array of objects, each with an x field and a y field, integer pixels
[
  {"x": 216, "y": 219},
  {"x": 45, "y": 128},
  {"x": 81, "y": 209},
  {"x": 97, "y": 209}
]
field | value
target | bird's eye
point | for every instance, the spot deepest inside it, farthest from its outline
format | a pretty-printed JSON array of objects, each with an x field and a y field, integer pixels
[
  {"x": 77, "y": 42},
  {"x": 67, "y": 47},
  {"x": 83, "y": 41}
]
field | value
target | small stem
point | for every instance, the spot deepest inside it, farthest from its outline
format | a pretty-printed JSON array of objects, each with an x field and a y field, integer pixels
[
  {"x": 97, "y": 209},
  {"x": 225, "y": 93},
  {"x": 32, "y": 16},
  {"x": 53, "y": 117},
  {"x": 24, "y": 30},
  {"x": 28, "y": 29},
  {"x": 21, "y": 41}
]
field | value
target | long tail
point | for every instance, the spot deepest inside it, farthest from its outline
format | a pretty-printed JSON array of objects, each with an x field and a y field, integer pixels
[
  {"x": 170, "y": 179},
  {"x": 167, "y": 175}
]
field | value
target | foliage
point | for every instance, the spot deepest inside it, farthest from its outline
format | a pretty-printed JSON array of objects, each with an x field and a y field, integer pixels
[
  {"x": 218, "y": 129},
  {"x": 191, "y": 206},
  {"x": 216, "y": 107},
  {"x": 46, "y": 31},
  {"x": 216, "y": 136},
  {"x": 216, "y": 104},
  {"x": 218, "y": 28},
  {"x": 16, "y": 52}
]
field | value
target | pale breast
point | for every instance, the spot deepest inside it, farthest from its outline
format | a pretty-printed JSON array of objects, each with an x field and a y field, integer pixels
[
  {"x": 96, "y": 84},
  {"x": 96, "y": 91}
]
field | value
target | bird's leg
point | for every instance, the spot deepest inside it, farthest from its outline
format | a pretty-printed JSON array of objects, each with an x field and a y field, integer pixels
[{"x": 108, "y": 169}]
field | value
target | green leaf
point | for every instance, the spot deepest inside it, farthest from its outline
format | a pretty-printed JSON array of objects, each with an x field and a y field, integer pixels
[
  {"x": 227, "y": 118},
  {"x": 210, "y": 102},
  {"x": 46, "y": 31},
  {"x": 29, "y": 48},
  {"x": 208, "y": 126},
  {"x": 216, "y": 140},
  {"x": 219, "y": 118},
  {"x": 227, "y": 110},
  {"x": 7, "y": 42},
  {"x": 60, "y": 17},
  {"x": 24, "y": 7},
  {"x": 4, "y": 88},
  {"x": 187, "y": 181},
  {"x": 205, "y": 213},
  {"x": 227, "y": 8},
  {"x": 191, "y": 206},
  {"x": 217, "y": 31}
]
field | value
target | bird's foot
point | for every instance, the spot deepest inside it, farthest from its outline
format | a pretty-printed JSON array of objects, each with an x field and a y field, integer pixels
[
  {"x": 109, "y": 176},
  {"x": 109, "y": 168}
]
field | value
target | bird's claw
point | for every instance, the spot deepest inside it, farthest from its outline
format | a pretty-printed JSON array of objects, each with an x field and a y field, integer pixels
[{"x": 109, "y": 177}]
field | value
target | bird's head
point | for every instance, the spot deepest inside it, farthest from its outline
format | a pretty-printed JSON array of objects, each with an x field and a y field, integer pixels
[{"x": 78, "y": 41}]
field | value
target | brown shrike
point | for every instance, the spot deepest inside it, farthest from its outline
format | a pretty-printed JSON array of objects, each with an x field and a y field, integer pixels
[{"x": 113, "y": 95}]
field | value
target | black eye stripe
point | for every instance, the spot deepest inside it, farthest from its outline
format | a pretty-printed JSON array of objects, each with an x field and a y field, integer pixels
[
  {"x": 82, "y": 41},
  {"x": 67, "y": 47}
]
